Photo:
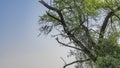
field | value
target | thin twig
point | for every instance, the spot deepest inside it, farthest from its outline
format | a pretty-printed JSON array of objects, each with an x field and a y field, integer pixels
[
  {"x": 78, "y": 61},
  {"x": 63, "y": 60},
  {"x": 117, "y": 16},
  {"x": 68, "y": 45}
]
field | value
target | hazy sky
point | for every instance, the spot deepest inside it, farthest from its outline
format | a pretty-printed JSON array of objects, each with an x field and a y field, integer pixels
[{"x": 19, "y": 45}]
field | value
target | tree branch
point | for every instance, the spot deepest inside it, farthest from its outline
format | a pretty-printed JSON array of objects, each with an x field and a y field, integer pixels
[
  {"x": 63, "y": 60},
  {"x": 53, "y": 17},
  {"x": 117, "y": 16},
  {"x": 78, "y": 61},
  {"x": 105, "y": 22},
  {"x": 90, "y": 40},
  {"x": 68, "y": 45},
  {"x": 92, "y": 43},
  {"x": 102, "y": 30},
  {"x": 48, "y": 6},
  {"x": 56, "y": 10}
]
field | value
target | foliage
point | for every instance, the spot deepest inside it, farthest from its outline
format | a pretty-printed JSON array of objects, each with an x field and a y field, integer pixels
[
  {"x": 108, "y": 62},
  {"x": 109, "y": 54},
  {"x": 92, "y": 26}
]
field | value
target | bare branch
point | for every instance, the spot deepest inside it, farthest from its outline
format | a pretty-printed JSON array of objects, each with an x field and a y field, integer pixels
[
  {"x": 63, "y": 60},
  {"x": 54, "y": 9},
  {"x": 68, "y": 45},
  {"x": 105, "y": 22},
  {"x": 117, "y": 16},
  {"x": 78, "y": 61},
  {"x": 102, "y": 30},
  {"x": 92, "y": 43},
  {"x": 48, "y": 6},
  {"x": 53, "y": 17}
]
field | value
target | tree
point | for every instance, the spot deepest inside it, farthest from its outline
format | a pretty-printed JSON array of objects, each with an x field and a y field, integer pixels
[{"x": 92, "y": 27}]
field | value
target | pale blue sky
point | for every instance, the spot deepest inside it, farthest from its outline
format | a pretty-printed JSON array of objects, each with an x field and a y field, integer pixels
[{"x": 19, "y": 45}]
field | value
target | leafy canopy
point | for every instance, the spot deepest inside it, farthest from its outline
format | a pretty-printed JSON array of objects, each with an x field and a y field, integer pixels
[{"x": 92, "y": 26}]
